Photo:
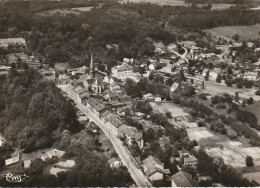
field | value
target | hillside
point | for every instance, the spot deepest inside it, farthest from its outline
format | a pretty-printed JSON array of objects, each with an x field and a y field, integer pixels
[{"x": 32, "y": 111}]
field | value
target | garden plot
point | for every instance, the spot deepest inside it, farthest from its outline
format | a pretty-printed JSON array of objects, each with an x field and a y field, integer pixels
[
  {"x": 199, "y": 133},
  {"x": 175, "y": 110},
  {"x": 234, "y": 153}
]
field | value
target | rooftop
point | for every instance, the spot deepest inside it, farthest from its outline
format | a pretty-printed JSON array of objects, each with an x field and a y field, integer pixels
[{"x": 182, "y": 179}]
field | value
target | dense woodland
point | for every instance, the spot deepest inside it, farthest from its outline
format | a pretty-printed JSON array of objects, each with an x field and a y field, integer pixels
[
  {"x": 220, "y": 1},
  {"x": 68, "y": 37},
  {"x": 32, "y": 110}
]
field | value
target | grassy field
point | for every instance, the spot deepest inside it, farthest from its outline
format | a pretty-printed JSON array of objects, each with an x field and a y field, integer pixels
[
  {"x": 176, "y": 3},
  {"x": 168, "y": 107},
  {"x": 82, "y": 9},
  {"x": 244, "y": 32}
]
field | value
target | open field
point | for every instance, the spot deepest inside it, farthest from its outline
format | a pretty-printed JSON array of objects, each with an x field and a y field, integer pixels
[
  {"x": 218, "y": 6},
  {"x": 82, "y": 9},
  {"x": 66, "y": 164},
  {"x": 255, "y": 109},
  {"x": 159, "y": 2},
  {"x": 234, "y": 153},
  {"x": 175, "y": 110},
  {"x": 253, "y": 176},
  {"x": 176, "y": 3},
  {"x": 2, "y": 140},
  {"x": 214, "y": 88},
  {"x": 199, "y": 133},
  {"x": 244, "y": 32},
  {"x": 62, "y": 12}
]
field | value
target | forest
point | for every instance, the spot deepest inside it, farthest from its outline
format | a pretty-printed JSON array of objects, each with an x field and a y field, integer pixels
[
  {"x": 129, "y": 29},
  {"x": 32, "y": 110}
]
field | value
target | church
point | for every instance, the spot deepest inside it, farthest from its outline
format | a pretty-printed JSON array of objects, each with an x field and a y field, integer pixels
[{"x": 90, "y": 81}]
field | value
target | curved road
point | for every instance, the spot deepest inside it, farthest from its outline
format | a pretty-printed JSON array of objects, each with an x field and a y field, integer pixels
[{"x": 137, "y": 175}]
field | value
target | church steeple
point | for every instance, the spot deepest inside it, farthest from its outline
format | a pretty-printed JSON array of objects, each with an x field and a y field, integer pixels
[{"x": 91, "y": 68}]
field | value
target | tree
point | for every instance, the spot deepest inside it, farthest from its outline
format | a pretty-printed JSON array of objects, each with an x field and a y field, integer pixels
[
  {"x": 257, "y": 92},
  {"x": 249, "y": 161},
  {"x": 101, "y": 67},
  {"x": 250, "y": 101},
  {"x": 236, "y": 37},
  {"x": 218, "y": 79},
  {"x": 169, "y": 81},
  {"x": 168, "y": 114}
]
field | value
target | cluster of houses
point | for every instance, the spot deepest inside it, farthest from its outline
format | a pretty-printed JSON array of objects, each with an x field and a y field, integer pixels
[
  {"x": 12, "y": 42},
  {"x": 173, "y": 62},
  {"x": 16, "y": 157}
]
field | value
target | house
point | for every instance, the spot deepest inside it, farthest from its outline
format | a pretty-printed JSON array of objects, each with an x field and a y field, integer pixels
[
  {"x": 52, "y": 153},
  {"x": 157, "y": 99},
  {"x": 12, "y": 41},
  {"x": 190, "y": 161},
  {"x": 112, "y": 96},
  {"x": 140, "y": 115},
  {"x": 148, "y": 96},
  {"x": 176, "y": 87},
  {"x": 154, "y": 169},
  {"x": 15, "y": 158},
  {"x": 214, "y": 73},
  {"x": 64, "y": 78},
  {"x": 189, "y": 44},
  {"x": 84, "y": 95},
  {"x": 114, "y": 162},
  {"x": 252, "y": 76},
  {"x": 182, "y": 179},
  {"x": 95, "y": 106},
  {"x": 205, "y": 72},
  {"x": 27, "y": 163},
  {"x": 165, "y": 61},
  {"x": 115, "y": 87},
  {"x": 151, "y": 67},
  {"x": 131, "y": 134},
  {"x": 127, "y": 60},
  {"x": 113, "y": 122},
  {"x": 123, "y": 71}
]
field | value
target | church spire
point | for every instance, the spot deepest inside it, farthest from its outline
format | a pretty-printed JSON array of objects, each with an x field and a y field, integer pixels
[{"x": 91, "y": 68}]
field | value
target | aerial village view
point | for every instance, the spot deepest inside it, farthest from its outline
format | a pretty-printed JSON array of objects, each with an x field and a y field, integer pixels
[{"x": 131, "y": 93}]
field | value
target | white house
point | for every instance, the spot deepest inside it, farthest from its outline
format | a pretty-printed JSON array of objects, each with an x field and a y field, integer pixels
[
  {"x": 15, "y": 159},
  {"x": 181, "y": 179},
  {"x": 148, "y": 96},
  {"x": 157, "y": 99},
  {"x": 115, "y": 162},
  {"x": 190, "y": 161},
  {"x": 123, "y": 71},
  {"x": 131, "y": 134},
  {"x": 151, "y": 67},
  {"x": 154, "y": 168}
]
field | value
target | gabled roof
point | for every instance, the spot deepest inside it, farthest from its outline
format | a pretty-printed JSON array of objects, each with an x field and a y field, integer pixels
[
  {"x": 182, "y": 179},
  {"x": 132, "y": 132},
  {"x": 96, "y": 105},
  {"x": 153, "y": 165},
  {"x": 79, "y": 89},
  {"x": 83, "y": 78},
  {"x": 114, "y": 120},
  {"x": 84, "y": 94},
  {"x": 110, "y": 161},
  {"x": 190, "y": 159}
]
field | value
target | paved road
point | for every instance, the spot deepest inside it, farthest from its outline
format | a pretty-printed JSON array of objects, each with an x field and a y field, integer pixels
[{"x": 137, "y": 175}]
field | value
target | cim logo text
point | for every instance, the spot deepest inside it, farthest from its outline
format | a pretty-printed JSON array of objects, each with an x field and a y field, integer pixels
[{"x": 12, "y": 178}]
